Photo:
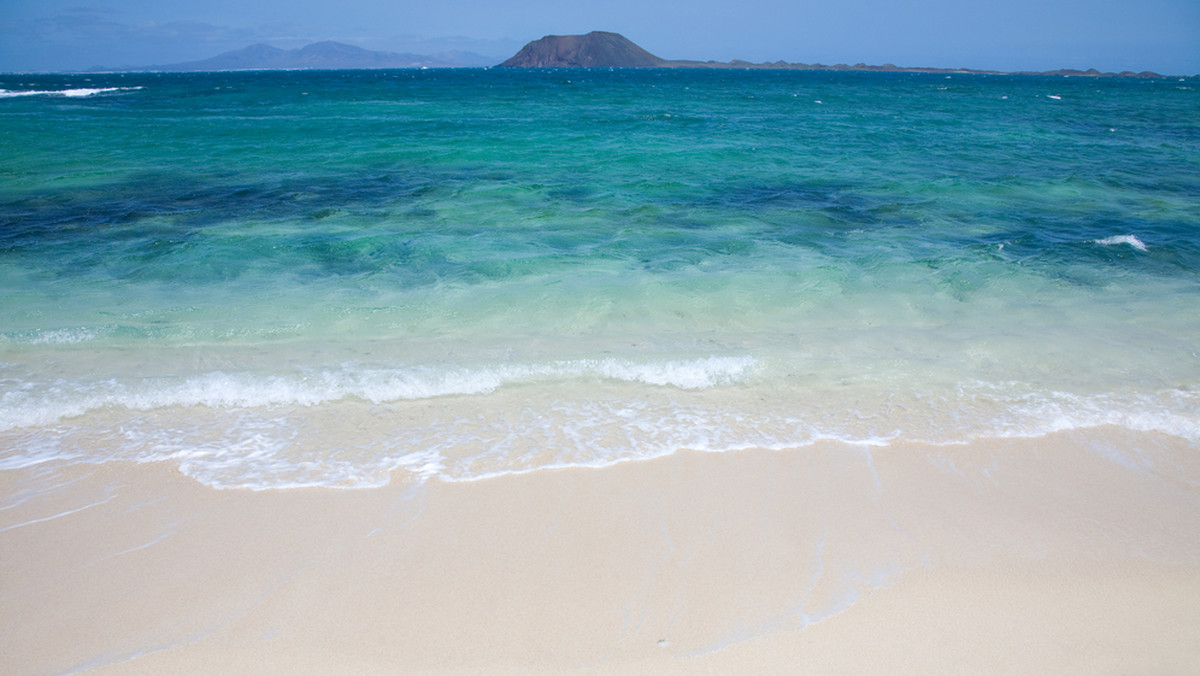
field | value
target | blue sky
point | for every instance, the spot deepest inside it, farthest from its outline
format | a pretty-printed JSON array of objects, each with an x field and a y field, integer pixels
[{"x": 1159, "y": 35}]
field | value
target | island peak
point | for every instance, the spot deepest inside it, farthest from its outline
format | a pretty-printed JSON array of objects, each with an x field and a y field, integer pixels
[{"x": 598, "y": 49}]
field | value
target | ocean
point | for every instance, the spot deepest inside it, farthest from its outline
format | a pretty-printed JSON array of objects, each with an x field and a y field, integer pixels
[{"x": 351, "y": 278}]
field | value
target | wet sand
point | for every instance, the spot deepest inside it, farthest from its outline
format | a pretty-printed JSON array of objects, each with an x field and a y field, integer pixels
[{"x": 1073, "y": 553}]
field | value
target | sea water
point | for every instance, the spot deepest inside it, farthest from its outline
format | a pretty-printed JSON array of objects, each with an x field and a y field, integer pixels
[{"x": 278, "y": 279}]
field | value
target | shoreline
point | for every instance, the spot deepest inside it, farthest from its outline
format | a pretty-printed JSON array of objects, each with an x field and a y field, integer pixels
[
  {"x": 1074, "y": 552},
  {"x": 891, "y": 68}
]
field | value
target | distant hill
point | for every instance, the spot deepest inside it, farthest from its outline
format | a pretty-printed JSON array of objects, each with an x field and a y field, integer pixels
[
  {"x": 597, "y": 49},
  {"x": 318, "y": 56}
]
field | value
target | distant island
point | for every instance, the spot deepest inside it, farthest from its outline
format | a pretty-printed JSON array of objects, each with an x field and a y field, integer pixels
[
  {"x": 597, "y": 49},
  {"x": 600, "y": 49},
  {"x": 327, "y": 55}
]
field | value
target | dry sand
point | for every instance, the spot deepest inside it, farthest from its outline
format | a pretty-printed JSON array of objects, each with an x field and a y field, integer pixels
[{"x": 1074, "y": 553}]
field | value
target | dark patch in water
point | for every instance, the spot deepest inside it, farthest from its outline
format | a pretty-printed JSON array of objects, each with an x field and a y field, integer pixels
[{"x": 126, "y": 228}]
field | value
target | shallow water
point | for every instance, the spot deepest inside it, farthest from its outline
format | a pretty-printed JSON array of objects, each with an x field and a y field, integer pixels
[{"x": 337, "y": 278}]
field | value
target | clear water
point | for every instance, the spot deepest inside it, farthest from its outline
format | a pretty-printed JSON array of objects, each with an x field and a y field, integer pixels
[{"x": 344, "y": 278}]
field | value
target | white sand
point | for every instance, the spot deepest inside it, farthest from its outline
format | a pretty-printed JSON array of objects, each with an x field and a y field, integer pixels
[{"x": 1076, "y": 553}]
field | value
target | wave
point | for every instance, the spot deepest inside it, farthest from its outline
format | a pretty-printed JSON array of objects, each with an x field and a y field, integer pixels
[
  {"x": 71, "y": 336},
  {"x": 28, "y": 404},
  {"x": 75, "y": 92},
  {"x": 356, "y": 444},
  {"x": 1116, "y": 240}
]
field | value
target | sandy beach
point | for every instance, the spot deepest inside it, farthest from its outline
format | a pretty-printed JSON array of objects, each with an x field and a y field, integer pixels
[{"x": 1072, "y": 553}]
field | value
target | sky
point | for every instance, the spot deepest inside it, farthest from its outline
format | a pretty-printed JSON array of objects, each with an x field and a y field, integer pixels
[{"x": 1111, "y": 35}]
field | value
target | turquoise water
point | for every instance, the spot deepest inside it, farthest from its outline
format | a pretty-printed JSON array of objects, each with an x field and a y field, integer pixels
[{"x": 341, "y": 278}]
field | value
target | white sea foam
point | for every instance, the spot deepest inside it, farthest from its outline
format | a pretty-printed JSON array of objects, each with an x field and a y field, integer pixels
[
  {"x": 685, "y": 374},
  {"x": 353, "y": 427},
  {"x": 75, "y": 92},
  {"x": 356, "y": 444},
  {"x": 26, "y": 404},
  {"x": 1115, "y": 240},
  {"x": 63, "y": 336}
]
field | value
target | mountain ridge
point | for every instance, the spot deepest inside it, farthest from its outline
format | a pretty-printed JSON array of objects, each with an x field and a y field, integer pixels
[{"x": 326, "y": 55}]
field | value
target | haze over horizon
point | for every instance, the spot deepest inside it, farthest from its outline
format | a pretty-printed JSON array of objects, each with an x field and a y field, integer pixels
[{"x": 1110, "y": 35}]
